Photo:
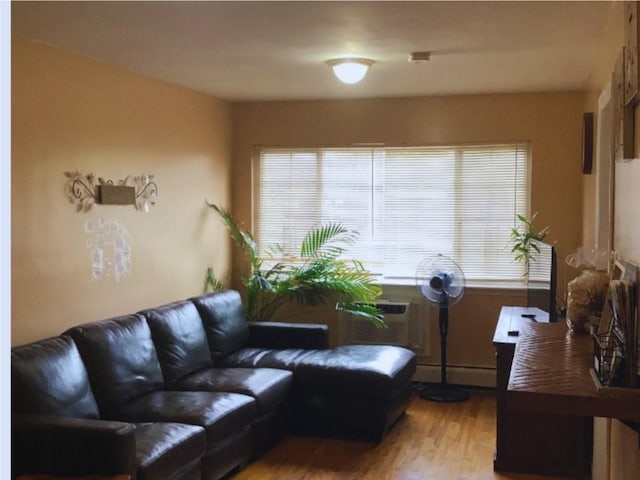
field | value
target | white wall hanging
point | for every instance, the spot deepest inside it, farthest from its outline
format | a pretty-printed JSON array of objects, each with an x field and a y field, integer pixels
[{"x": 109, "y": 245}]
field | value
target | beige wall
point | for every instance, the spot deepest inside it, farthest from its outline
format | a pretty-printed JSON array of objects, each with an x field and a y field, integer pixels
[
  {"x": 611, "y": 41},
  {"x": 552, "y": 122},
  {"x": 71, "y": 113},
  {"x": 616, "y": 452}
]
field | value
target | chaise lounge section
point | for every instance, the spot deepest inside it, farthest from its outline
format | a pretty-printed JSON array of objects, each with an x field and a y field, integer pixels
[{"x": 190, "y": 390}]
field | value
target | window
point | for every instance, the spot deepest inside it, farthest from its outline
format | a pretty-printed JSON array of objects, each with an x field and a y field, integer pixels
[{"x": 405, "y": 202}]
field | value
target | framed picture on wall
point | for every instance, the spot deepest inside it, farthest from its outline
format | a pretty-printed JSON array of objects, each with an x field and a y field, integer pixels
[
  {"x": 587, "y": 142},
  {"x": 631, "y": 52},
  {"x": 623, "y": 115}
]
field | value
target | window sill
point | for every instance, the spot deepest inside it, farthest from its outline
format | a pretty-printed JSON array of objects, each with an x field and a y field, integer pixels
[
  {"x": 470, "y": 284},
  {"x": 398, "y": 289}
]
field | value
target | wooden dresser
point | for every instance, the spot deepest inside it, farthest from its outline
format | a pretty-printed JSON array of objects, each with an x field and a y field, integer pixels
[{"x": 534, "y": 437}]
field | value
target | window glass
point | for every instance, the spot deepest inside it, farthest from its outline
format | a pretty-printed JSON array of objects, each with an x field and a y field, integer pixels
[{"x": 405, "y": 202}]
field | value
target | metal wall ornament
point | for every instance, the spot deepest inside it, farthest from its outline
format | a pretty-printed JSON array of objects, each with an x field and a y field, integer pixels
[{"x": 140, "y": 191}]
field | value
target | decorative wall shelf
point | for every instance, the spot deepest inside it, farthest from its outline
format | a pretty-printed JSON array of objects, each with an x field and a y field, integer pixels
[{"x": 82, "y": 190}]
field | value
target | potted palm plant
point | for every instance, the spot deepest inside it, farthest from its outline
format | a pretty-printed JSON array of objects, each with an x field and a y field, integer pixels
[{"x": 315, "y": 275}]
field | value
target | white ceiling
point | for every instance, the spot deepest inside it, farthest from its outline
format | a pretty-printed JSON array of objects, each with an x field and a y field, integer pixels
[{"x": 243, "y": 51}]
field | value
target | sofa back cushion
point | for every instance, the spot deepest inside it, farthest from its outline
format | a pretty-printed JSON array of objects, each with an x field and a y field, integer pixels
[
  {"x": 49, "y": 378},
  {"x": 180, "y": 340},
  {"x": 121, "y": 360},
  {"x": 224, "y": 322}
]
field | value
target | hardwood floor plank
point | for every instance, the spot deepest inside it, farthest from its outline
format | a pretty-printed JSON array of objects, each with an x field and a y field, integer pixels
[{"x": 435, "y": 441}]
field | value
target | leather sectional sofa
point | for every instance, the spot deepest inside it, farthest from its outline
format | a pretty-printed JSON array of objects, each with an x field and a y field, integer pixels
[{"x": 190, "y": 390}]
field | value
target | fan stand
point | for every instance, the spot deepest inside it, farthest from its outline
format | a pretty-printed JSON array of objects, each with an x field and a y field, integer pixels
[{"x": 443, "y": 392}]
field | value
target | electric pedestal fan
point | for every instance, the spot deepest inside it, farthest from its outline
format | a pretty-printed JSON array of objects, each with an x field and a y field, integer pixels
[{"x": 441, "y": 282}]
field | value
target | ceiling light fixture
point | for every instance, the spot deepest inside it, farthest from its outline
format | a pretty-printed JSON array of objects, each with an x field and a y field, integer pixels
[{"x": 350, "y": 70}]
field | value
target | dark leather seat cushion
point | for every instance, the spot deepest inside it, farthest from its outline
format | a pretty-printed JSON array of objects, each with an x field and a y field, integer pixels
[
  {"x": 180, "y": 339},
  {"x": 285, "y": 359},
  {"x": 49, "y": 377},
  {"x": 376, "y": 371},
  {"x": 268, "y": 386},
  {"x": 220, "y": 414},
  {"x": 373, "y": 371},
  {"x": 224, "y": 322},
  {"x": 121, "y": 360},
  {"x": 163, "y": 449}
]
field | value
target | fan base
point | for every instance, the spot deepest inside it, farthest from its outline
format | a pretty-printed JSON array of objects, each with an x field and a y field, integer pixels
[{"x": 444, "y": 393}]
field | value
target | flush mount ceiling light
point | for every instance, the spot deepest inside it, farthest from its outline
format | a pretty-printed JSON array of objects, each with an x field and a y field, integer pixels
[{"x": 350, "y": 70}]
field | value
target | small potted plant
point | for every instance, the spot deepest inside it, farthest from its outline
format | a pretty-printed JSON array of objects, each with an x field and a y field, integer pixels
[{"x": 525, "y": 240}]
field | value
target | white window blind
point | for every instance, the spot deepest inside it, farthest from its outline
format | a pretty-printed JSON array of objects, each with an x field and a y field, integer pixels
[{"x": 405, "y": 202}]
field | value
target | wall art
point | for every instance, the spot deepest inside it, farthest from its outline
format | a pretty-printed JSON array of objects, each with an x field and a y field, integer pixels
[
  {"x": 109, "y": 245},
  {"x": 139, "y": 191}
]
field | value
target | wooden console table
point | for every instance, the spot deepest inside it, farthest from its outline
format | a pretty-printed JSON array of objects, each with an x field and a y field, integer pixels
[
  {"x": 551, "y": 374},
  {"x": 533, "y": 440}
]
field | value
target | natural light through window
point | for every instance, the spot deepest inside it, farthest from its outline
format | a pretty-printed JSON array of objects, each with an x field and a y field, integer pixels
[{"x": 405, "y": 202}]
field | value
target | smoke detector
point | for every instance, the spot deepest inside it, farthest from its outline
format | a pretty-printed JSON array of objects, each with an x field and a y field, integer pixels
[{"x": 419, "y": 57}]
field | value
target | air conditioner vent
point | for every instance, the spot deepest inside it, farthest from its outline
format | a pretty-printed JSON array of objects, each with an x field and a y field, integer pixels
[
  {"x": 392, "y": 308},
  {"x": 407, "y": 326}
]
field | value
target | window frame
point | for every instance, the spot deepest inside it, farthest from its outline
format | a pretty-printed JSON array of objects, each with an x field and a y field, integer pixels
[{"x": 525, "y": 145}]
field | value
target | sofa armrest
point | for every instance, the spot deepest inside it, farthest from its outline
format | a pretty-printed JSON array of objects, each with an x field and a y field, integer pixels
[
  {"x": 43, "y": 444},
  {"x": 288, "y": 335}
]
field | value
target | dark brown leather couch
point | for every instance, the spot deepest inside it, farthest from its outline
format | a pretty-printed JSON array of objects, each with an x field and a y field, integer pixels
[{"x": 190, "y": 390}]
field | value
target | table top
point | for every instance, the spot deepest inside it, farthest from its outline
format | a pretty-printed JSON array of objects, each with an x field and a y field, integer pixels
[
  {"x": 511, "y": 321},
  {"x": 551, "y": 373}
]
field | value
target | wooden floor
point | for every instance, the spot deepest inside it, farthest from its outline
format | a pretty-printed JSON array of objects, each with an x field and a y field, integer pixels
[{"x": 433, "y": 441}]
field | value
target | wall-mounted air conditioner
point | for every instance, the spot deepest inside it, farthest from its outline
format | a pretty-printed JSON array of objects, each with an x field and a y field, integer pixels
[{"x": 407, "y": 326}]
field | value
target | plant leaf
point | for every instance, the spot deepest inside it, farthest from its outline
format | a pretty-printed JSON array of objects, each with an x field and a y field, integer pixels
[{"x": 316, "y": 276}]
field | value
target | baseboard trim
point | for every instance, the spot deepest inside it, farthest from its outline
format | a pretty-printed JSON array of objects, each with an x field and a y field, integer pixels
[{"x": 472, "y": 376}]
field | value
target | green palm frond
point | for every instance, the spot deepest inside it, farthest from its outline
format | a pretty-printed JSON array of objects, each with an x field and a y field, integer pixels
[
  {"x": 242, "y": 238},
  {"x": 368, "y": 311},
  {"x": 277, "y": 251},
  {"x": 324, "y": 240},
  {"x": 317, "y": 276},
  {"x": 211, "y": 282}
]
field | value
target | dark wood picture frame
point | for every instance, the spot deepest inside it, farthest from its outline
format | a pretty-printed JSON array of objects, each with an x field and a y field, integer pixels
[
  {"x": 623, "y": 115},
  {"x": 587, "y": 143},
  {"x": 631, "y": 34}
]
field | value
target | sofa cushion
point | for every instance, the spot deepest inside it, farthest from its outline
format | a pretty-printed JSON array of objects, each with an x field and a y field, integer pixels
[
  {"x": 375, "y": 371},
  {"x": 284, "y": 359},
  {"x": 121, "y": 360},
  {"x": 48, "y": 377},
  {"x": 224, "y": 322},
  {"x": 180, "y": 339},
  {"x": 163, "y": 449},
  {"x": 221, "y": 414},
  {"x": 280, "y": 335},
  {"x": 71, "y": 446},
  {"x": 269, "y": 387}
]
